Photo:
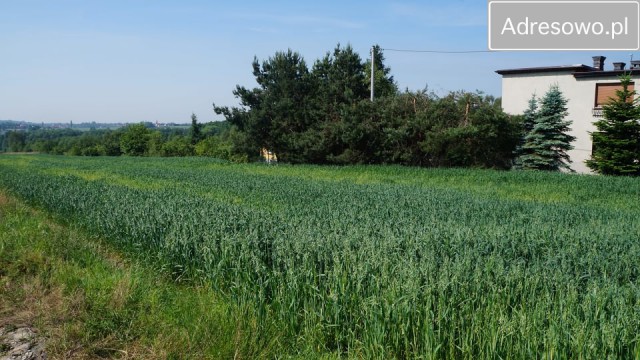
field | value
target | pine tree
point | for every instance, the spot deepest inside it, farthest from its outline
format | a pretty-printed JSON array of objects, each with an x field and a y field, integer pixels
[
  {"x": 384, "y": 84},
  {"x": 195, "y": 132},
  {"x": 530, "y": 114},
  {"x": 529, "y": 119},
  {"x": 616, "y": 144},
  {"x": 546, "y": 145}
]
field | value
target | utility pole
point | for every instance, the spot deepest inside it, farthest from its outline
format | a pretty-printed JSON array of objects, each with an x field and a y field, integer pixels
[{"x": 373, "y": 65}]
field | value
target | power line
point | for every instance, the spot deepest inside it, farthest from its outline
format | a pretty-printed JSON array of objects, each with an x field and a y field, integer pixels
[
  {"x": 439, "y": 51},
  {"x": 416, "y": 51}
]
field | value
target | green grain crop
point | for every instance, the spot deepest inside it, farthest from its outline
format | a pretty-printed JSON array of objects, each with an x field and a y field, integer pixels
[{"x": 375, "y": 261}]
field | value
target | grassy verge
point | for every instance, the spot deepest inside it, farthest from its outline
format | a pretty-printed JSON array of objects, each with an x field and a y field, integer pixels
[{"x": 89, "y": 302}]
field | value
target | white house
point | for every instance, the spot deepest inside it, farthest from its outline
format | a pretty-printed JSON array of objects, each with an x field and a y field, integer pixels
[{"x": 585, "y": 87}]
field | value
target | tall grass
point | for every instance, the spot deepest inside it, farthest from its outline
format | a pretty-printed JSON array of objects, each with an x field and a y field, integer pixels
[
  {"x": 89, "y": 302},
  {"x": 376, "y": 262}
]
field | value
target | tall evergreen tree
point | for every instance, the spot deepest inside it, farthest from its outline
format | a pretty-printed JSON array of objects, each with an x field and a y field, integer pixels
[
  {"x": 341, "y": 77},
  {"x": 341, "y": 85},
  {"x": 195, "y": 132},
  {"x": 384, "y": 84},
  {"x": 616, "y": 144},
  {"x": 546, "y": 145},
  {"x": 529, "y": 119},
  {"x": 278, "y": 114},
  {"x": 530, "y": 115}
]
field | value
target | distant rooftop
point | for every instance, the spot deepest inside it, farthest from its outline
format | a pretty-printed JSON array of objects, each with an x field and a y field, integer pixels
[
  {"x": 540, "y": 69},
  {"x": 580, "y": 70}
]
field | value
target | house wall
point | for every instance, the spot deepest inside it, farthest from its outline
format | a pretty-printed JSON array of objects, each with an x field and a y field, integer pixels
[{"x": 580, "y": 93}]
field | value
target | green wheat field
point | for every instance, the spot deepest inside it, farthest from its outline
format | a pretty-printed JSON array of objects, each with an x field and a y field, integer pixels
[{"x": 374, "y": 261}]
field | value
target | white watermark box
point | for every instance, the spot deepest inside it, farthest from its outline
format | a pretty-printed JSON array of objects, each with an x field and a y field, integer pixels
[{"x": 564, "y": 25}]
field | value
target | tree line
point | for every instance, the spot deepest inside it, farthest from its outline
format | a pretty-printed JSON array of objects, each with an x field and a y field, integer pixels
[
  {"x": 142, "y": 139},
  {"x": 322, "y": 114},
  {"x": 319, "y": 115}
]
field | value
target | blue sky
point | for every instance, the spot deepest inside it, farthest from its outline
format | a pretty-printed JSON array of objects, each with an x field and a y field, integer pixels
[{"x": 158, "y": 60}]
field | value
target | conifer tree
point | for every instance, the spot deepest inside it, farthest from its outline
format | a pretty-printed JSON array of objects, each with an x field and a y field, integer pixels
[
  {"x": 529, "y": 118},
  {"x": 616, "y": 144},
  {"x": 195, "y": 132},
  {"x": 530, "y": 114},
  {"x": 546, "y": 145},
  {"x": 384, "y": 84}
]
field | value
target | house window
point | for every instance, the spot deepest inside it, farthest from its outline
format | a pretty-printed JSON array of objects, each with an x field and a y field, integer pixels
[{"x": 604, "y": 92}]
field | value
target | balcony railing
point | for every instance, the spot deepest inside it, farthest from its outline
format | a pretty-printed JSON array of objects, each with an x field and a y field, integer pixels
[{"x": 597, "y": 112}]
